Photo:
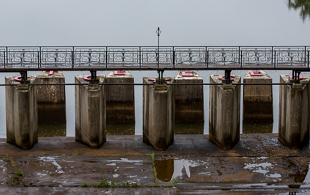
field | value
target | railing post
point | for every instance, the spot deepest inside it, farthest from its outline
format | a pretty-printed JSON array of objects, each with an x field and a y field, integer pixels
[
  {"x": 308, "y": 59},
  {"x": 208, "y": 58},
  {"x": 239, "y": 61},
  {"x": 272, "y": 56},
  {"x": 38, "y": 53},
  {"x": 72, "y": 57},
  {"x": 241, "y": 58},
  {"x": 4, "y": 59},
  {"x": 305, "y": 55},
  {"x": 106, "y": 58},
  {"x": 140, "y": 57},
  {"x": 173, "y": 57},
  {"x": 40, "y": 57},
  {"x": 7, "y": 56}
]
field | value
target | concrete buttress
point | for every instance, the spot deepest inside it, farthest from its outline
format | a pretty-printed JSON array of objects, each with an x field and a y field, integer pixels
[
  {"x": 294, "y": 113},
  {"x": 90, "y": 117},
  {"x": 21, "y": 113},
  {"x": 224, "y": 113},
  {"x": 158, "y": 114}
]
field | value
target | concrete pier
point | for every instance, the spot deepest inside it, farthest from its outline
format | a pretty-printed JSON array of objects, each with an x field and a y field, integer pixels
[
  {"x": 189, "y": 98},
  {"x": 158, "y": 114},
  {"x": 21, "y": 113},
  {"x": 257, "y": 99},
  {"x": 224, "y": 112},
  {"x": 90, "y": 117},
  {"x": 294, "y": 113},
  {"x": 51, "y": 98},
  {"x": 120, "y": 98}
]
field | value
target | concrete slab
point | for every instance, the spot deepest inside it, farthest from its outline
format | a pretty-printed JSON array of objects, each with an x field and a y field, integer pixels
[{"x": 258, "y": 164}]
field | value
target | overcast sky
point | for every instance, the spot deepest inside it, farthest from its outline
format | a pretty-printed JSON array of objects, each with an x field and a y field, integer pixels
[{"x": 134, "y": 22}]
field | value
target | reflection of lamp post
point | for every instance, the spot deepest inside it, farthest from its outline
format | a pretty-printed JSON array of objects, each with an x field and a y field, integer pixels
[{"x": 158, "y": 34}]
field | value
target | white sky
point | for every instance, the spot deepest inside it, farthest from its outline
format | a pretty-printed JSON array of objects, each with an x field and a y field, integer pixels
[{"x": 134, "y": 22}]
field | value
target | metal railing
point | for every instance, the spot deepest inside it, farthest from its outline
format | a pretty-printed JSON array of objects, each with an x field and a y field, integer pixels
[{"x": 149, "y": 58}]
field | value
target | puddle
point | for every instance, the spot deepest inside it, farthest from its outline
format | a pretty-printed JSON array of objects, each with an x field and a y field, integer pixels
[
  {"x": 169, "y": 169},
  {"x": 53, "y": 161},
  {"x": 307, "y": 176},
  {"x": 219, "y": 172},
  {"x": 126, "y": 160},
  {"x": 258, "y": 167}
]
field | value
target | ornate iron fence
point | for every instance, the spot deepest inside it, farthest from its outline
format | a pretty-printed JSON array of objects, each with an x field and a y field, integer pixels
[{"x": 104, "y": 58}]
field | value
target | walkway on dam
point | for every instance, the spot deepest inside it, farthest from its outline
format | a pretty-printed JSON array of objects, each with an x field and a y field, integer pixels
[
  {"x": 258, "y": 164},
  {"x": 64, "y": 58}
]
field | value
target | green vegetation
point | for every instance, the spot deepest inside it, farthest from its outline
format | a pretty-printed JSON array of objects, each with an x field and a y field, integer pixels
[
  {"x": 175, "y": 182},
  {"x": 17, "y": 178},
  {"x": 103, "y": 182},
  {"x": 303, "y": 5},
  {"x": 154, "y": 169},
  {"x": 75, "y": 153},
  {"x": 6, "y": 158},
  {"x": 85, "y": 185},
  {"x": 20, "y": 173}
]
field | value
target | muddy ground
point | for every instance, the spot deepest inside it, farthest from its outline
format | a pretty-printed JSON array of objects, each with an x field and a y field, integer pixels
[{"x": 258, "y": 164}]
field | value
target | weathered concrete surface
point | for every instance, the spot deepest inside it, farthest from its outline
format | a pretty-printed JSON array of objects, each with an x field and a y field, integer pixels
[
  {"x": 21, "y": 113},
  {"x": 258, "y": 164},
  {"x": 257, "y": 99},
  {"x": 294, "y": 113},
  {"x": 51, "y": 98},
  {"x": 120, "y": 98},
  {"x": 224, "y": 113},
  {"x": 90, "y": 115},
  {"x": 189, "y": 99},
  {"x": 158, "y": 114}
]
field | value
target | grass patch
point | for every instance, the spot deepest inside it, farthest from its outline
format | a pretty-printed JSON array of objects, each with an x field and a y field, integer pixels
[
  {"x": 103, "y": 182},
  {"x": 20, "y": 173},
  {"x": 17, "y": 178},
  {"x": 154, "y": 168},
  {"x": 75, "y": 153},
  {"x": 85, "y": 185}
]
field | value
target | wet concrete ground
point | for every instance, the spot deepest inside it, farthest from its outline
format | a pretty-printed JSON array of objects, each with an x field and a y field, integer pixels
[{"x": 258, "y": 164}]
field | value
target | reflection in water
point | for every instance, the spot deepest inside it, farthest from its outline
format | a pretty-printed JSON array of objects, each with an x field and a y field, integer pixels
[
  {"x": 306, "y": 179},
  {"x": 189, "y": 128},
  {"x": 303, "y": 5},
  {"x": 52, "y": 130},
  {"x": 49, "y": 113},
  {"x": 257, "y": 128},
  {"x": 120, "y": 128},
  {"x": 164, "y": 169},
  {"x": 168, "y": 169}
]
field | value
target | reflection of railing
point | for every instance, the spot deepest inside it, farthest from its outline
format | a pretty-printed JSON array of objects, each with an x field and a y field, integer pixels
[{"x": 101, "y": 58}]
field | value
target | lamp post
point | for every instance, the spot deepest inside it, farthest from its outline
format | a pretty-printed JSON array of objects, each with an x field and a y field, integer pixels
[{"x": 158, "y": 34}]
